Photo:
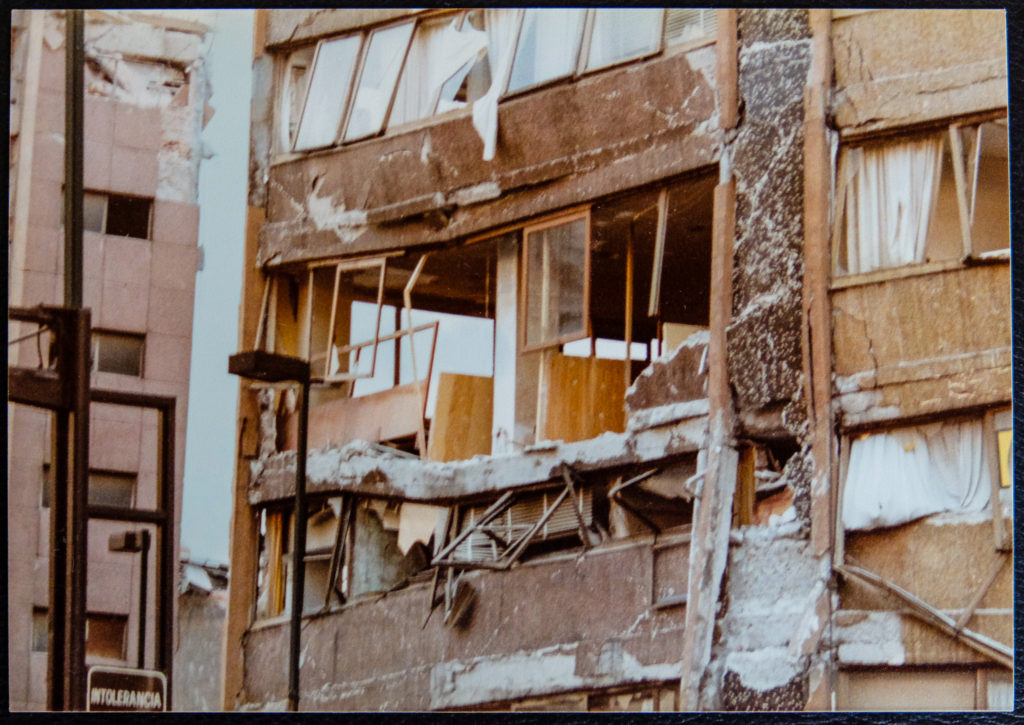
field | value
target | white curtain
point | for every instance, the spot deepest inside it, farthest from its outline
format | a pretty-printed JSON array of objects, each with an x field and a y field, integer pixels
[
  {"x": 502, "y": 25},
  {"x": 900, "y": 475},
  {"x": 437, "y": 53},
  {"x": 890, "y": 196}
]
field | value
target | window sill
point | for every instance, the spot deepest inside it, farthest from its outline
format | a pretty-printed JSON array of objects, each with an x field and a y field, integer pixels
[{"x": 917, "y": 270}]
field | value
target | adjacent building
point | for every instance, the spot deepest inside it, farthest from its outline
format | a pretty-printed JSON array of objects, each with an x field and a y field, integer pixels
[
  {"x": 145, "y": 107},
  {"x": 661, "y": 361}
]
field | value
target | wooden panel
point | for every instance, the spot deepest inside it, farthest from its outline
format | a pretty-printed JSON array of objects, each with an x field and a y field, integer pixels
[
  {"x": 462, "y": 419},
  {"x": 585, "y": 397},
  {"x": 895, "y": 689},
  {"x": 381, "y": 416}
]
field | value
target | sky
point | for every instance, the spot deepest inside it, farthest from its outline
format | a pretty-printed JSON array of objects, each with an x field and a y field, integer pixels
[{"x": 223, "y": 178}]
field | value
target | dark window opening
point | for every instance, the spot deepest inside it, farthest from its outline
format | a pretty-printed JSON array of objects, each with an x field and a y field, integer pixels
[{"x": 117, "y": 214}]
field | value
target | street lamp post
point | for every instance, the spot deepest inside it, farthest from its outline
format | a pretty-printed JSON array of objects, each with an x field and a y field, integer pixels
[
  {"x": 137, "y": 542},
  {"x": 273, "y": 368}
]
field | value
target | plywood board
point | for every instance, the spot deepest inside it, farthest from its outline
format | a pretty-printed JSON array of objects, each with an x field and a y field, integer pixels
[
  {"x": 381, "y": 416},
  {"x": 462, "y": 419},
  {"x": 585, "y": 397},
  {"x": 906, "y": 690}
]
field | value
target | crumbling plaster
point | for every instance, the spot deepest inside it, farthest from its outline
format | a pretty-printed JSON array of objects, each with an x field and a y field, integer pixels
[
  {"x": 368, "y": 470},
  {"x": 510, "y": 646}
]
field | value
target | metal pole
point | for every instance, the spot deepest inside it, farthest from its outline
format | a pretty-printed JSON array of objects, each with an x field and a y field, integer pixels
[
  {"x": 165, "y": 548},
  {"x": 74, "y": 121},
  {"x": 56, "y": 674},
  {"x": 74, "y": 63},
  {"x": 143, "y": 586},
  {"x": 298, "y": 553}
]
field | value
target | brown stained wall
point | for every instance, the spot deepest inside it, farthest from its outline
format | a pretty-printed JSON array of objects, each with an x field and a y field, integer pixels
[
  {"x": 898, "y": 67},
  {"x": 922, "y": 344},
  {"x": 952, "y": 558},
  {"x": 557, "y": 147},
  {"x": 595, "y": 608}
]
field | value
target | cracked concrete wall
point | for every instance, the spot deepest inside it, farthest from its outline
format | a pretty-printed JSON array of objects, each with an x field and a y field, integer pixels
[
  {"x": 899, "y": 67},
  {"x": 579, "y": 621},
  {"x": 764, "y": 336}
]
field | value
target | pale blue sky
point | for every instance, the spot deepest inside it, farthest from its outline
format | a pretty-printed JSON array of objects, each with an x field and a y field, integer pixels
[{"x": 210, "y": 444}]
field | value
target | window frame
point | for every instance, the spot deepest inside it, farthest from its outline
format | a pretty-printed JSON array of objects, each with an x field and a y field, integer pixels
[
  {"x": 340, "y": 266},
  {"x": 97, "y": 334},
  {"x": 524, "y": 295},
  {"x": 365, "y": 36},
  {"x": 105, "y": 226},
  {"x": 948, "y": 129}
]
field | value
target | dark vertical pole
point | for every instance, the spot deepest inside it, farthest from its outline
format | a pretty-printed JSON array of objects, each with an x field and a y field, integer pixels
[
  {"x": 298, "y": 553},
  {"x": 79, "y": 429},
  {"x": 78, "y": 509},
  {"x": 56, "y": 675},
  {"x": 167, "y": 563},
  {"x": 74, "y": 122},
  {"x": 143, "y": 586}
]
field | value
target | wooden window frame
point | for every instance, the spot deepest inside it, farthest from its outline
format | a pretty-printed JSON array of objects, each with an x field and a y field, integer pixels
[{"x": 551, "y": 222}]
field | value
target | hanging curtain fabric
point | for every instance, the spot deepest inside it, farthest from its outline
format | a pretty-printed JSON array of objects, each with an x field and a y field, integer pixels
[
  {"x": 502, "y": 25},
  {"x": 439, "y": 50},
  {"x": 890, "y": 193},
  {"x": 900, "y": 475}
]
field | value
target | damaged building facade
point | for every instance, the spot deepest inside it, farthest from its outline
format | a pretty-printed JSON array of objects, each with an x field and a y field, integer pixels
[
  {"x": 628, "y": 392},
  {"x": 146, "y": 86}
]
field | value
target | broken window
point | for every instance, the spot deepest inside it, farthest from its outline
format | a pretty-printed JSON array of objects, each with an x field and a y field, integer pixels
[
  {"x": 116, "y": 214},
  {"x": 105, "y": 635},
  {"x": 898, "y": 475},
  {"x": 117, "y": 352},
  {"x": 358, "y": 84},
  {"x": 936, "y": 197}
]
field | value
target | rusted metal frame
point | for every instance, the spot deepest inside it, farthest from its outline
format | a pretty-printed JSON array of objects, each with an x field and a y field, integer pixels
[
  {"x": 990, "y": 449},
  {"x": 493, "y": 511},
  {"x": 567, "y": 476},
  {"x": 337, "y": 553},
  {"x": 972, "y": 606},
  {"x": 616, "y": 495},
  {"x": 987, "y": 646}
]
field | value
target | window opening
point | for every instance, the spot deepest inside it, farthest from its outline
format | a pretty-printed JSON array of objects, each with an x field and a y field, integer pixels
[
  {"x": 327, "y": 92},
  {"x": 116, "y": 352},
  {"x": 621, "y": 34},
  {"x": 40, "y": 629},
  {"x": 377, "y": 80},
  {"x": 935, "y": 197},
  {"x": 296, "y": 76},
  {"x": 685, "y": 24},
  {"x": 556, "y": 296},
  {"x": 105, "y": 635},
  {"x": 112, "y": 488},
  {"x": 116, "y": 214},
  {"x": 548, "y": 46}
]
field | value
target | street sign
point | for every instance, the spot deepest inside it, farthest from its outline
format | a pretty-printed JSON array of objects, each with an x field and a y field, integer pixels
[{"x": 119, "y": 689}]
